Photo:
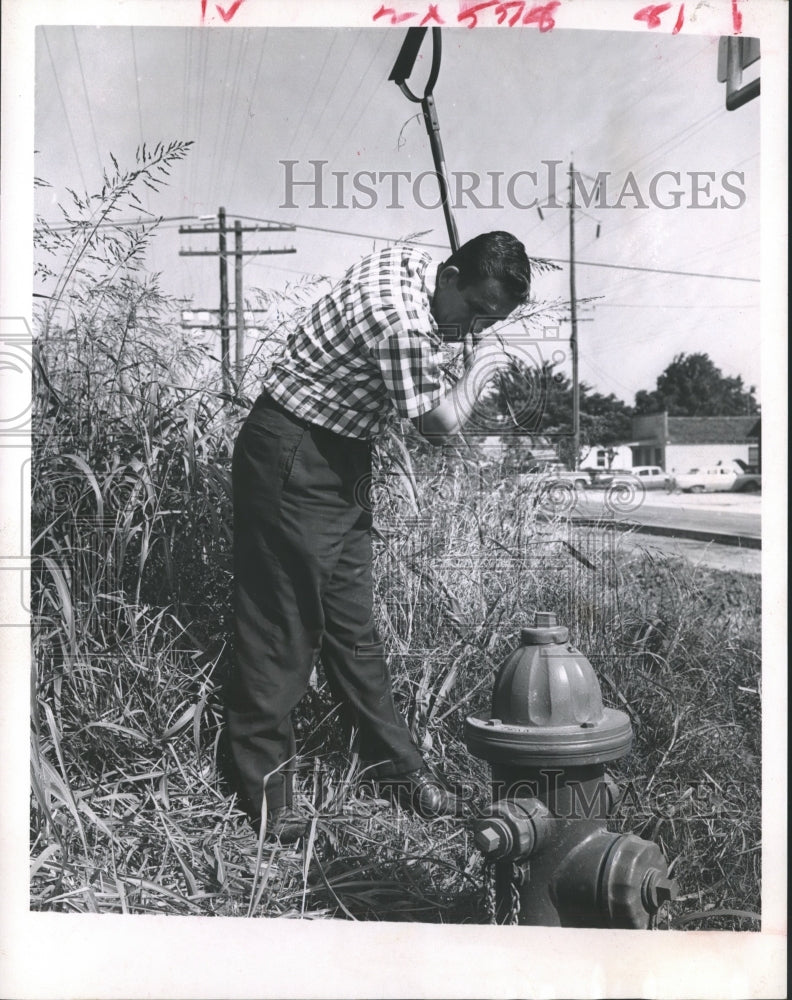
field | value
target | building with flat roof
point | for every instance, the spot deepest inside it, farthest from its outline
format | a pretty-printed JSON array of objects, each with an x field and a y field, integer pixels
[{"x": 677, "y": 444}]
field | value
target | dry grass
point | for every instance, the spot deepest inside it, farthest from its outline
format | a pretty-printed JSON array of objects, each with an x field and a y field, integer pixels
[{"x": 131, "y": 524}]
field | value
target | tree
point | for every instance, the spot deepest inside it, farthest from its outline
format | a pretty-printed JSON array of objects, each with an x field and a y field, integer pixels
[
  {"x": 693, "y": 386},
  {"x": 539, "y": 401}
]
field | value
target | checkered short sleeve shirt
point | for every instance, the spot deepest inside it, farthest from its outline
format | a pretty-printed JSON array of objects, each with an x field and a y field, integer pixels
[{"x": 368, "y": 347}]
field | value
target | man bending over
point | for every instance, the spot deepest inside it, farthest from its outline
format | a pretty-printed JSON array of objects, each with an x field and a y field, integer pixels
[{"x": 302, "y": 541}]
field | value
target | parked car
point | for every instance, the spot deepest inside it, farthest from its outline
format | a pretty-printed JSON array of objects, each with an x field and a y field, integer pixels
[
  {"x": 648, "y": 477},
  {"x": 708, "y": 479},
  {"x": 553, "y": 472},
  {"x": 601, "y": 478},
  {"x": 747, "y": 482}
]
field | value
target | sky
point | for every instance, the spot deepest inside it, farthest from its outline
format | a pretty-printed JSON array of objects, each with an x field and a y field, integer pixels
[{"x": 631, "y": 106}]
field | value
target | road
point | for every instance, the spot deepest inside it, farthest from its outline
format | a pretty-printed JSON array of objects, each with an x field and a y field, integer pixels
[{"x": 707, "y": 514}]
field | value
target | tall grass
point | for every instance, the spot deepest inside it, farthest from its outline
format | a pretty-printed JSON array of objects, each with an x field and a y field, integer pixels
[{"x": 132, "y": 518}]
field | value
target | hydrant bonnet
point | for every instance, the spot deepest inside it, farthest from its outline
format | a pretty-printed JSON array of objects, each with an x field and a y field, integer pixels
[{"x": 547, "y": 707}]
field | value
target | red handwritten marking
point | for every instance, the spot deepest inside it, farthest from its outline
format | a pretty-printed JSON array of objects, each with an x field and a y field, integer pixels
[
  {"x": 228, "y": 14},
  {"x": 539, "y": 14},
  {"x": 203, "y": 10},
  {"x": 542, "y": 15},
  {"x": 502, "y": 9},
  {"x": 391, "y": 13},
  {"x": 680, "y": 20},
  {"x": 651, "y": 14},
  {"x": 472, "y": 12},
  {"x": 432, "y": 14},
  {"x": 736, "y": 18}
]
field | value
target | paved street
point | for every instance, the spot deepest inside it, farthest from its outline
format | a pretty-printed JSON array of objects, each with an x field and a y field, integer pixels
[{"x": 728, "y": 513}]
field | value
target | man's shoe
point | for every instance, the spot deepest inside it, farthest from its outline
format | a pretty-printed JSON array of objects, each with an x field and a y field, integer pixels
[
  {"x": 285, "y": 825},
  {"x": 422, "y": 792}
]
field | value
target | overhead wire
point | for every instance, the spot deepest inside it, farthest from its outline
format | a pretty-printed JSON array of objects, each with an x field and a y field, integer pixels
[
  {"x": 657, "y": 84},
  {"x": 221, "y": 124},
  {"x": 226, "y": 140},
  {"x": 669, "y": 144},
  {"x": 685, "y": 262},
  {"x": 331, "y": 91},
  {"x": 139, "y": 109},
  {"x": 310, "y": 97},
  {"x": 203, "y": 58},
  {"x": 248, "y": 116},
  {"x": 65, "y": 110},
  {"x": 555, "y": 260},
  {"x": 87, "y": 100},
  {"x": 372, "y": 95},
  {"x": 307, "y": 104},
  {"x": 674, "y": 305},
  {"x": 186, "y": 82},
  {"x": 362, "y": 81}
]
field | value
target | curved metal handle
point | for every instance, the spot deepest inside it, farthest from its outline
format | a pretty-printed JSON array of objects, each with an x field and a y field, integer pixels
[{"x": 405, "y": 62}]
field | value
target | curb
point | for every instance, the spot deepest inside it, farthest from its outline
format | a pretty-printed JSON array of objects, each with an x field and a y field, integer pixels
[{"x": 695, "y": 534}]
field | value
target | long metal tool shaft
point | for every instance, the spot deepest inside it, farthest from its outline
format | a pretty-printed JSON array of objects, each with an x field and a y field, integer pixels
[
  {"x": 402, "y": 69},
  {"x": 433, "y": 130}
]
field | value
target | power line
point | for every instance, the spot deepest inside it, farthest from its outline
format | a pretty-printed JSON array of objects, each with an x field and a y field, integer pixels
[
  {"x": 87, "y": 99},
  {"x": 663, "y": 305},
  {"x": 241, "y": 54},
  {"x": 203, "y": 56},
  {"x": 217, "y": 164},
  {"x": 248, "y": 116},
  {"x": 372, "y": 95},
  {"x": 137, "y": 91},
  {"x": 658, "y": 84},
  {"x": 440, "y": 246},
  {"x": 119, "y": 223},
  {"x": 317, "y": 78},
  {"x": 65, "y": 112},
  {"x": 554, "y": 260}
]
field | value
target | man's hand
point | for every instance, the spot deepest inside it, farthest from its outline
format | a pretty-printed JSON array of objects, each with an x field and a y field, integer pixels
[
  {"x": 468, "y": 347},
  {"x": 485, "y": 357}
]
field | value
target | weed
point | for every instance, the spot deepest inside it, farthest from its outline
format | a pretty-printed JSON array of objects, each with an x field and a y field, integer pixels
[{"x": 131, "y": 514}]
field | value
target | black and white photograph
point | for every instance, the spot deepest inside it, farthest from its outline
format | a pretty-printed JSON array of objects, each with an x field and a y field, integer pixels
[{"x": 394, "y": 499}]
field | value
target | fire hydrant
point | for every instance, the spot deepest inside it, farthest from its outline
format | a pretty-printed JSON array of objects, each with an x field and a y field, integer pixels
[{"x": 548, "y": 740}]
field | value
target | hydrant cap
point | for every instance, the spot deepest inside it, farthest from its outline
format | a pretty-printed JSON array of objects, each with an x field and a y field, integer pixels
[
  {"x": 547, "y": 707},
  {"x": 545, "y": 630}
]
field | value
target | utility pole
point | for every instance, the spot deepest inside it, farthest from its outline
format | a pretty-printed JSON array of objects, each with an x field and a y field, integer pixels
[
  {"x": 224, "y": 339},
  {"x": 573, "y": 340},
  {"x": 223, "y": 254},
  {"x": 238, "y": 301}
]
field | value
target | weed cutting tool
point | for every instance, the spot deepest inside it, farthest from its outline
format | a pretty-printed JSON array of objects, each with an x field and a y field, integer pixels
[{"x": 402, "y": 68}]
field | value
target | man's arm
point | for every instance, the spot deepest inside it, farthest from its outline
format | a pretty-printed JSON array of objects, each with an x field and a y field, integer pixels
[{"x": 454, "y": 410}]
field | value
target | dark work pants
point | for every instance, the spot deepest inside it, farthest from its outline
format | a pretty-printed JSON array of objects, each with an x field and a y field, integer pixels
[{"x": 302, "y": 588}]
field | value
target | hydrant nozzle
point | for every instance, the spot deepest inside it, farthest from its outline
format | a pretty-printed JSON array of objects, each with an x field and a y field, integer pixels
[{"x": 513, "y": 830}]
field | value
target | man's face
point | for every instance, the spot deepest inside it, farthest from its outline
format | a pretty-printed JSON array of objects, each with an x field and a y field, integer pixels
[{"x": 468, "y": 309}]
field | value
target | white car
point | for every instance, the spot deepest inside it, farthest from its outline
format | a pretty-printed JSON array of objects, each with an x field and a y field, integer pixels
[
  {"x": 641, "y": 477},
  {"x": 711, "y": 479},
  {"x": 551, "y": 473}
]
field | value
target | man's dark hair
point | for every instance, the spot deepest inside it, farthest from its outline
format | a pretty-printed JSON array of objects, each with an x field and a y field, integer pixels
[{"x": 494, "y": 255}]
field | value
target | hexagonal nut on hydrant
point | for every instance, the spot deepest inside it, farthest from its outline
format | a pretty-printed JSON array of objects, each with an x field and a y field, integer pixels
[
  {"x": 491, "y": 838},
  {"x": 657, "y": 889}
]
